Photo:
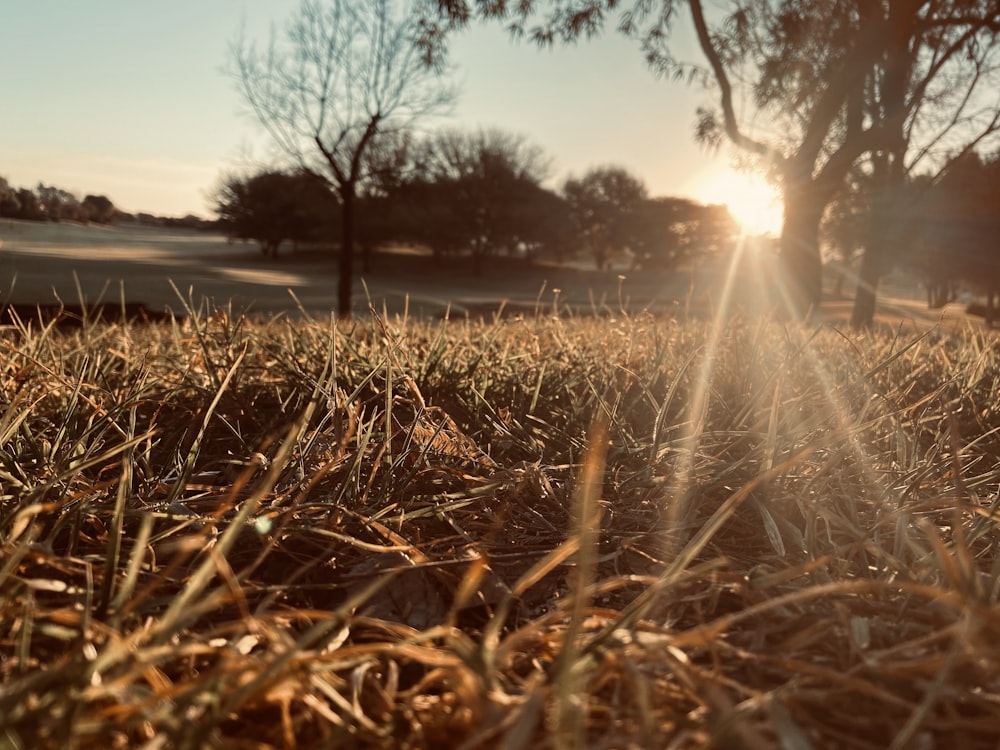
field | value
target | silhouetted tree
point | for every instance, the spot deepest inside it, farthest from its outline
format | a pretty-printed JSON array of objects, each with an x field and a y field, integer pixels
[
  {"x": 271, "y": 207},
  {"x": 10, "y": 206},
  {"x": 380, "y": 212},
  {"x": 344, "y": 71},
  {"x": 30, "y": 207},
  {"x": 959, "y": 222},
  {"x": 98, "y": 208},
  {"x": 603, "y": 203},
  {"x": 808, "y": 87},
  {"x": 843, "y": 228},
  {"x": 664, "y": 233},
  {"x": 544, "y": 223},
  {"x": 480, "y": 193},
  {"x": 58, "y": 204},
  {"x": 654, "y": 235},
  {"x": 711, "y": 230}
]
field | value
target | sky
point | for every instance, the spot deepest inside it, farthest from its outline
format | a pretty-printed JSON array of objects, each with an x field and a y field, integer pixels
[{"x": 132, "y": 100}]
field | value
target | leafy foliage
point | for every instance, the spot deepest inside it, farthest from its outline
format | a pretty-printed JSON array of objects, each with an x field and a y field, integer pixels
[
  {"x": 957, "y": 228},
  {"x": 53, "y": 204},
  {"x": 481, "y": 193},
  {"x": 98, "y": 208},
  {"x": 604, "y": 203},
  {"x": 271, "y": 207}
]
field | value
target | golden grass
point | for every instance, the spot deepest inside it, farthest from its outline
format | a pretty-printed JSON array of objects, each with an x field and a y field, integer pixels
[{"x": 534, "y": 532}]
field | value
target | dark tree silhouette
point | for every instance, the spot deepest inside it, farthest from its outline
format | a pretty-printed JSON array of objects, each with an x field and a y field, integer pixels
[
  {"x": 271, "y": 207},
  {"x": 10, "y": 206},
  {"x": 603, "y": 204},
  {"x": 959, "y": 222},
  {"x": 58, "y": 204},
  {"x": 29, "y": 207},
  {"x": 842, "y": 231},
  {"x": 98, "y": 208},
  {"x": 380, "y": 213},
  {"x": 655, "y": 233},
  {"x": 344, "y": 71},
  {"x": 664, "y": 233},
  {"x": 480, "y": 193}
]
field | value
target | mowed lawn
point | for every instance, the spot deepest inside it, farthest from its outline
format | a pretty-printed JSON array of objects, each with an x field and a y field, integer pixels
[
  {"x": 45, "y": 263},
  {"x": 48, "y": 263},
  {"x": 548, "y": 529},
  {"x": 535, "y": 532}
]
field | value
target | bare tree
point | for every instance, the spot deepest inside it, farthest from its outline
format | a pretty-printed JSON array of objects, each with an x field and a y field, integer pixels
[{"x": 343, "y": 72}]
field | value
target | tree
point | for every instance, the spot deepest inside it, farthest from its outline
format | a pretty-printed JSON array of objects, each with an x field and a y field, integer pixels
[
  {"x": 58, "y": 204},
  {"x": 10, "y": 206},
  {"x": 480, "y": 193},
  {"x": 958, "y": 219},
  {"x": 98, "y": 208},
  {"x": 654, "y": 233},
  {"x": 271, "y": 207},
  {"x": 30, "y": 207},
  {"x": 708, "y": 229},
  {"x": 665, "y": 232},
  {"x": 344, "y": 71},
  {"x": 827, "y": 83},
  {"x": 842, "y": 231},
  {"x": 933, "y": 89},
  {"x": 604, "y": 203},
  {"x": 381, "y": 215}
]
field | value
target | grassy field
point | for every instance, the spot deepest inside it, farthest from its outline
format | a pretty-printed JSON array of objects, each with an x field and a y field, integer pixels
[
  {"x": 52, "y": 264},
  {"x": 545, "y": 531},
  {"x": 44, "y": 263}
]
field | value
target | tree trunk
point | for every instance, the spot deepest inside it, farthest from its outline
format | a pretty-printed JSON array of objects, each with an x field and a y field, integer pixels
[
  {"x": 939, "y": 293},
  {"x": 863, "y": 312},
  {"x": 346, "y": 264},
  {"x": 802, "y": 280}
]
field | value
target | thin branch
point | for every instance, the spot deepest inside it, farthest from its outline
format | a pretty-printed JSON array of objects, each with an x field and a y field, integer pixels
[{"x": 726, "y": 91}]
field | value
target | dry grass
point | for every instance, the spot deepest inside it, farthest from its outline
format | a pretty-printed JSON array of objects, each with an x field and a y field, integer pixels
[{"x": 541, "y": 532}]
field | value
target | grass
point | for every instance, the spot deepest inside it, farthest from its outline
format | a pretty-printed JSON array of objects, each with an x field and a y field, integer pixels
[{"x": 545, "y": 531}]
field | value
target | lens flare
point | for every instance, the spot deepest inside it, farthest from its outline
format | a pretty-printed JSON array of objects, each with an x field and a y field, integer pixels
[{"x": 751, "y": 200}]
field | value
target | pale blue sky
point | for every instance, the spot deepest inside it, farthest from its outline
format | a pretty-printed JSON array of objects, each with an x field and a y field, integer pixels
[{"x": 129, "y": 99}]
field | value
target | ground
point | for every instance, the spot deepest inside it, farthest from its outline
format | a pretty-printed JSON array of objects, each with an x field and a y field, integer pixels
[{"x": 49, "y": 263}]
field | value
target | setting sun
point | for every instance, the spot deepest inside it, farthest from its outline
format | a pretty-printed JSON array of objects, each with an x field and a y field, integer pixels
[{"x": 754, "y": 203}]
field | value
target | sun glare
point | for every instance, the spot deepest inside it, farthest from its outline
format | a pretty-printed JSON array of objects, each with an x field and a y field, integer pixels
[{"x": 754, "y": 203}]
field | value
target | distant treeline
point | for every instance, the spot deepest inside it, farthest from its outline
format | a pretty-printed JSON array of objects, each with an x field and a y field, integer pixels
[
  {"x": 50, "y": 203},
  {"x": 478, "y": 194}
]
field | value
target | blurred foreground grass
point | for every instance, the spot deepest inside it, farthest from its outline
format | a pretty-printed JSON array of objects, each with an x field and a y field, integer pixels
[{"x": 546, "y": 532}]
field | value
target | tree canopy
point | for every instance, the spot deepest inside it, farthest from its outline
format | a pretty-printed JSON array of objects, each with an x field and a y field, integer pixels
[
  {"x": 51, "y": 203},
  {"x": 957, "y": 222},
  {"x": 271, "y": 206},
  {"x": 481, "y": 194},
  {"x": 604, "y": 204}
]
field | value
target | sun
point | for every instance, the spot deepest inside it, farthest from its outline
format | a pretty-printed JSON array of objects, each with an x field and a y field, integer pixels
[{"x": 751, "y": 200}]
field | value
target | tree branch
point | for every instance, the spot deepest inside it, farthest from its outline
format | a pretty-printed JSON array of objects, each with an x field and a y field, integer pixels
[{"x": 726, "y": 91}]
